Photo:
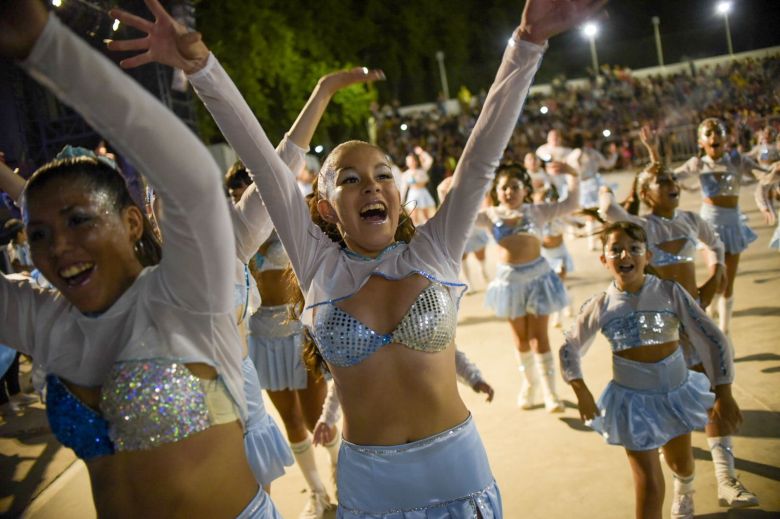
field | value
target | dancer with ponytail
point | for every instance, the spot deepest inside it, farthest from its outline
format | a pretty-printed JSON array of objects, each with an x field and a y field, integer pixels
[
  {"x": 142, "y": 350},
  {"x": 526, "y": 290},
  {"x": 383, "y": 311},
  {"x": 653, "y": 401}
]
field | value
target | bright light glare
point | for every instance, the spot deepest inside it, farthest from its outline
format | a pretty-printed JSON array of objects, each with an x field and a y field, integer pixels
[
  {"x": 318, "y": 148},
  {"x": 116, "y": 25},
  {"x": 723, "y": 7},
  {"x": 590, "y": 30},
  {"x": 511, "y": 42},
  {"x": 56, "y": 3},
  {"x": 404, "y": 127},
  {"x": 544, "y": 109},
  {"x": 606, "y": 133}
]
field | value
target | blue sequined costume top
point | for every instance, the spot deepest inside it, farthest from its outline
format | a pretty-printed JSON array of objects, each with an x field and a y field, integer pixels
[{"x": 428, "y": 326}]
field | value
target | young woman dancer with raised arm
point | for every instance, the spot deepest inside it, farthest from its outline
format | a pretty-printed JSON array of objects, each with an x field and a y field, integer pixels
[
  {"x": 144, "y": 361},
  {"x": 380, "y": 309}
]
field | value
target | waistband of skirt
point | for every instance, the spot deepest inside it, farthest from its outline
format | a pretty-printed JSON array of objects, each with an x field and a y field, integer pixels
[
  {"x": 533, "y": 267},
  {"x": 722, "y": 215},
  {"x": 664, "y": 375},
  {"x": 465, "y": 427}
]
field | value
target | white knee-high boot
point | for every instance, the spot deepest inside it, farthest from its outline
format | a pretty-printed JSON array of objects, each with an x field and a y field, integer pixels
[
  {"x": 725, "y": 309},
  {"x": 528, "y": 380},
  {"x": 545, "y": 364}
]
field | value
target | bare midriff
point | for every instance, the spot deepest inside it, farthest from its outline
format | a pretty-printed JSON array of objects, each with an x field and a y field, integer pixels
[
  {"x": 519, "y": 248},
  {"x": 682, "y": 273},
  {"x": 649, "y": 354},
  {"x": 274, "y": 287},
  {"x": 552, "y": 242},
  {"x": 397, "y": 395}
]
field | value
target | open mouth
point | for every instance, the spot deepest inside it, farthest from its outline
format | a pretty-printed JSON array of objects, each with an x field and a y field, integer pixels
[
  {"x": 375, "y": 212},
  {"x": 625, "y": 269},
  {"x": 77, "y": 274},
  {"x": 674, "y": 195}
]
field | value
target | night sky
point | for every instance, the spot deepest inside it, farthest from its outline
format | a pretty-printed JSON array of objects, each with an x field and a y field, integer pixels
[{"x": 689, "y": 29}]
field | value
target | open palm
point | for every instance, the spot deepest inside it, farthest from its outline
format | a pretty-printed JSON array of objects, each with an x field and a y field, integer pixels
[
  {"x": 543, "y": 19},
  {"x": 166, "y": 41}
]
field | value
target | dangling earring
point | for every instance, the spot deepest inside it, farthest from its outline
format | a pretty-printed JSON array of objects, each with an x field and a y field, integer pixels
[{"x": 139, "y": 248}]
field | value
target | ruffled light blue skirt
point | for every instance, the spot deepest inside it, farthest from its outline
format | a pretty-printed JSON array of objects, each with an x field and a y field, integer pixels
[
  {"x": 260, "y": 507},
  {"x": 444, "y": 476},
  {"x": 728, "y": 223},
  {"x": 477, "y": 240},
  {"x": 774, "y": 243},
  {"x": 420, "y": 197},
  {"x": 266, "y": 448},
  {"x": 527, "y": 288},
  {"x": 646, "y": 405},
  {"x": 276, "y": 349},
  {"x": 559, "y": 258},
  {"x": 589, "y": 191}
]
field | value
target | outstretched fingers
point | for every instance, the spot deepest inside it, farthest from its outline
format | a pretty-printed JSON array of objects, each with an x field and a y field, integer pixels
[
  {"x": 157, "y": 9},
  {"x": 132, "y": 20},
  {"x": 129, "y": 45},
  {"x": 137, "y": 61}
]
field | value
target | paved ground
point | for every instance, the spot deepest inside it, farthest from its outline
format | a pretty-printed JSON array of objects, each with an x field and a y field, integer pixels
[{"x": 548, "y": 466}]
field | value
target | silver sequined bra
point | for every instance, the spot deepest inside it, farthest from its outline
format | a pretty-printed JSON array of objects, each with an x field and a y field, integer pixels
[
  {"x": 639, "y": 328},
  {"x": 152, "y": 402},
  {"x": 428, "y": 326}
]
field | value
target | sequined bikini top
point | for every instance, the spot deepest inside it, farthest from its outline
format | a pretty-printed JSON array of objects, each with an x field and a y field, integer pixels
[
  {"x": 525, "y": 224},
  {"x": 274, "y": 257},
  {"x": 428, "y": 326},
  {"x": 641, "y": 328},
  {"x": 722, "y": 180},
  {"x": 144, "y": 404},
  {"x": 686, "y": 254}
]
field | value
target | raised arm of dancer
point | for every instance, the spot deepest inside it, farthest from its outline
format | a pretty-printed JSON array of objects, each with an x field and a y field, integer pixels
[
  {"x": 426, "y": 161},
  {"x": 611, "y": 211},
  {"x": 198, "y": 242},
  {"x": 578, "y": 341},
  {"x": 549, "y": 211},
  {"x": 541, "y": 20},
  {"x": 650, "y": 141},
  {"x": 10, "y": 182}
]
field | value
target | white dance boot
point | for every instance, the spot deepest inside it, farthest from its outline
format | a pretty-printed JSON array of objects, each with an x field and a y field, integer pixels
[
  {"x": 682, "y": 500},
  {"x": 545, "y": 364},
  {"x": 731, "y": 491},
  {"x": 528, "y": 380}
]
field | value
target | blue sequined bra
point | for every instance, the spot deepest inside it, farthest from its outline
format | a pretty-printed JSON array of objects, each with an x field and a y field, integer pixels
[
  {"x": 725, "y": 183},
  {"x": 144, "y": 404},
  {"x": 641, "y": 328},
  {"x": 525, "y": 225},
  {"x": 662, "y": 258},
  {"x": 428, "y": 326}
]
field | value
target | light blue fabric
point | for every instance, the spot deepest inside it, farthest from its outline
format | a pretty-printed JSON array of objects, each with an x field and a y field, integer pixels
[
  {"x": 528, "y": 288},
  {"x": 589, "y": 191},
  {"x": 276, "y": 349},
  {"x": 478, "y": 240},
  {"x": 559, "y": 258},
  {"x": 260, "y": 507},
  {"x": 266, "y": 448},
  {"x": 444, "y": 476},
  {"x": 7, "y": 356},
  {"x": 646, "y": 405},
  {"x": 729, "y": 225},
  {"x": 774, "y": 243}
]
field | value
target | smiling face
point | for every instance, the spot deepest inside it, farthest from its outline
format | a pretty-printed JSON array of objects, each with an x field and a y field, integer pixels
[
  {"x": 625, "y": 258},
  {"x": 660, "y": 190},
  {"x": 81, "y": 243},
  {"x": 712, "y": 138},
  {"x": 360, "y": 196}
]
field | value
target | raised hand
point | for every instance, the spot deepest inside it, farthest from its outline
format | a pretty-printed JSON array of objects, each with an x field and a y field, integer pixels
[
  {"x": 543, "y": 19},
  {"x": 335, "y": 81},
  {"x": 21, "y": 22},
  {"x": 166, "y": 41}
]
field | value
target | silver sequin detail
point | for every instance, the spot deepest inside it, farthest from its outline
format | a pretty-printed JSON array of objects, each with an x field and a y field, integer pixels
[
  {"x": 152, "y": 402},
  {"x": 719, "y": 184},
  {"x": 428, "y": 326},
  {"x": 639, "y": 328}
]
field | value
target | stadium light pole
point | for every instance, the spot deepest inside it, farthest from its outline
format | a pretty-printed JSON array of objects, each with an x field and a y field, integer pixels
[
  {"x": 590, "y": 30},
  {"x": 658, "y": 48},
  {"x": 724, "y": 8},
  {"x": 445, "y": 87}
]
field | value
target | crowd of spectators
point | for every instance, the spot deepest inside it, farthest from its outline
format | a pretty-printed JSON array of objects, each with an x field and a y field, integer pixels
[{"x": 744, "y": 93}]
